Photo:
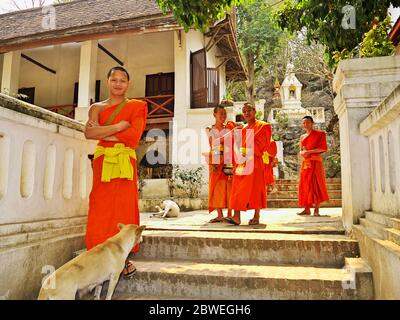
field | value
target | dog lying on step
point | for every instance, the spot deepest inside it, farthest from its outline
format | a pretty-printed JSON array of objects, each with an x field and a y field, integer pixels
[
  {"x": 169, "y": 209},
  {"x": 90, "y": 269}
]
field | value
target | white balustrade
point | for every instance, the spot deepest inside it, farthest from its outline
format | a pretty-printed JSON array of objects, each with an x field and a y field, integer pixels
[
  {"x": 43, "y": 164},
  {"x": 382, "y": 127}
]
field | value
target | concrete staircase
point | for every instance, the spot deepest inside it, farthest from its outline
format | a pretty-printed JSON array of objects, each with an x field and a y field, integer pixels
[
  {"x": 383, "y": 226},
  {"x": 287, "y": 194},
  {"x": 246, "y": 265},
  {"x": 378, "y": 235}
]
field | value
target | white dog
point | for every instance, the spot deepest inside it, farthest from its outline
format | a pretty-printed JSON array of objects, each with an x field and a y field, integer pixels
[
  {"x": 169, "y": 209},
  {"x": 90, "y": 269}
]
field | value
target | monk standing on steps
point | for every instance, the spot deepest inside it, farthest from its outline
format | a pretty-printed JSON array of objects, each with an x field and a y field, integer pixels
[
  {"x": 312, "y": 184},
  {"x": 119, "y": 124},
  {"x": 248, "y": 184},
  {"x": 220, "y": 160}
]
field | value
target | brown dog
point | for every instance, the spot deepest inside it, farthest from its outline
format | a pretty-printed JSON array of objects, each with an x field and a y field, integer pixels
[{"x": 90, "y": 269}]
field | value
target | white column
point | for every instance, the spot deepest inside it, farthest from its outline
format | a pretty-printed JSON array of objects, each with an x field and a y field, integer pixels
[
  {"x": 11, "y": 67},
  {"x": 182, "y": 78},
  {"x": 360, "y": 85},
  {"x": 87, "y": 79},
  {"x": 182, "y": 90}
]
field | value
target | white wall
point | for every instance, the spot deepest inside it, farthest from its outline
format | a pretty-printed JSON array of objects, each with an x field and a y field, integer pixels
[{"x": 142, "y": 54}]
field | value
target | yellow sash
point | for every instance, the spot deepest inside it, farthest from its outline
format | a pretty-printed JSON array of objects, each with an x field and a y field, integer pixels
[
  {"x": 307, "y": 161},
  {"x": 265, "y": 157},
  {"x": 116, "y": 163}
]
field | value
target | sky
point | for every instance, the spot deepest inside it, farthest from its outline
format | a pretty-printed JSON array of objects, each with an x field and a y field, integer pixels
[{"x": 7, "y": 6}]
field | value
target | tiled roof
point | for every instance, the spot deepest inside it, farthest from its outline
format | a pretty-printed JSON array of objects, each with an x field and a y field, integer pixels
[{"x": 80, "y": 17}]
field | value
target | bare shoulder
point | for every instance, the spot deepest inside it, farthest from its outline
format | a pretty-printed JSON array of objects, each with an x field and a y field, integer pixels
[
  {"x": 97, "y": 107},
  {"x": 137, "y": 102}
]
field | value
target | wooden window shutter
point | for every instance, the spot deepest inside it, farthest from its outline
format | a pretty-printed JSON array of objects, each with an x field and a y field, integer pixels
[{"x": 198, "y": 79}]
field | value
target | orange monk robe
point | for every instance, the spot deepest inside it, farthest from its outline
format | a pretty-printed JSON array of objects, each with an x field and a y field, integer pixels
[
  {"x": 269, "y": 167},
  {"x": 116, "y": 201},
  {"x": 312, "y": 185},
  {"x": 220, "y": 184},
  {"x": 249, "y": 187}
]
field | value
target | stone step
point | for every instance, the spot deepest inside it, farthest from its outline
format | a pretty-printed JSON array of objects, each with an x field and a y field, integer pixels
[
  {"x": 288, "y": 181},
  {"x": 376, "y": 228},
  {"x": 22, "y": 238},
  {"x": 248, "y": 248},
  {"x": 383, "y": 219},
  {"x": 393, "y": 235},
  {"x": 293, "y": 203},
  {"x": 380, "y": 218},
  {"x": 333, "y": 194},
  {"x": 294, "y": 187},
  {"x": 245, "y": 282},
  {"x": 395, "y": 223}
]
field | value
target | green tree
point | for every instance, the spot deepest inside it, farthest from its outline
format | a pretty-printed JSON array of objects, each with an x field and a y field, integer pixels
[
  {"x": 325, "y": 23},
  {"x": 259, "y": 38},
  {"x": 198, "y": 14}
]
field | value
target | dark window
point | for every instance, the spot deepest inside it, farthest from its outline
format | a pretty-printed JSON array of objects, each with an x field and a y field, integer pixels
[
  {"x": 160, "y": 88},
  {"x": 160, "y": 84},
  {"x": 198, "y": 77},
  {"x": 97, "y": 92},
  {"x": 29, "y": 95},
  {"x": 212, "y": 87}
]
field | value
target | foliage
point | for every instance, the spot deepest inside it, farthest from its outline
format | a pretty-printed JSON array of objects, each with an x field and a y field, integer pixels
[
  {"x": 276, "y": 137},
  {"x": 198, "y": 14},
  {"x": 189, "y": 180},
  {"x": 141, "y": 176},
  {"x": 376, "y": 42},
  {"x": 258, "y": 37},
  {"x": 259, "y": 115},
  {"x": 323, "y": 21},
  {"x": 282, "y": 120},
  {"x": 332, "y": 165},
  {"x": 236, "y": 91}
]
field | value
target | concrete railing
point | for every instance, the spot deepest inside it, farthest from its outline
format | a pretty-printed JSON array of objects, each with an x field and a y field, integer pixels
[
  {"x": 368, "y": 107},
  {"x": 296, "y": 114},
  {"x": 382, "y": 127},
  {"x": 361, "y": 85},
  {"x": 45, "y": 180}
]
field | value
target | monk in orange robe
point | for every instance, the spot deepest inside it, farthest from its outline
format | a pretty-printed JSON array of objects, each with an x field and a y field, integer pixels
[
  {"x": 248, "y": 184},
  {"x": 220, "y": 161},
  {"x": 312, "y": 184},
  {"x": 114, "y": 196}
]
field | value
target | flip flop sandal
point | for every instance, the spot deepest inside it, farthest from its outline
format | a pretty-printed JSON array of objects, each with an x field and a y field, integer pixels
[
  {"x": 304, "y": 214},
  {"x": 254, "y": 222},
  {"x": 231, "y": 221},
  {"x": 129, "y": 274},
  {"x": 215, "y": 220}
]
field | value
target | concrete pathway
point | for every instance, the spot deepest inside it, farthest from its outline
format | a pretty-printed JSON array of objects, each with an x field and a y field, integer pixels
[{"x": 284, "y": 220}]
